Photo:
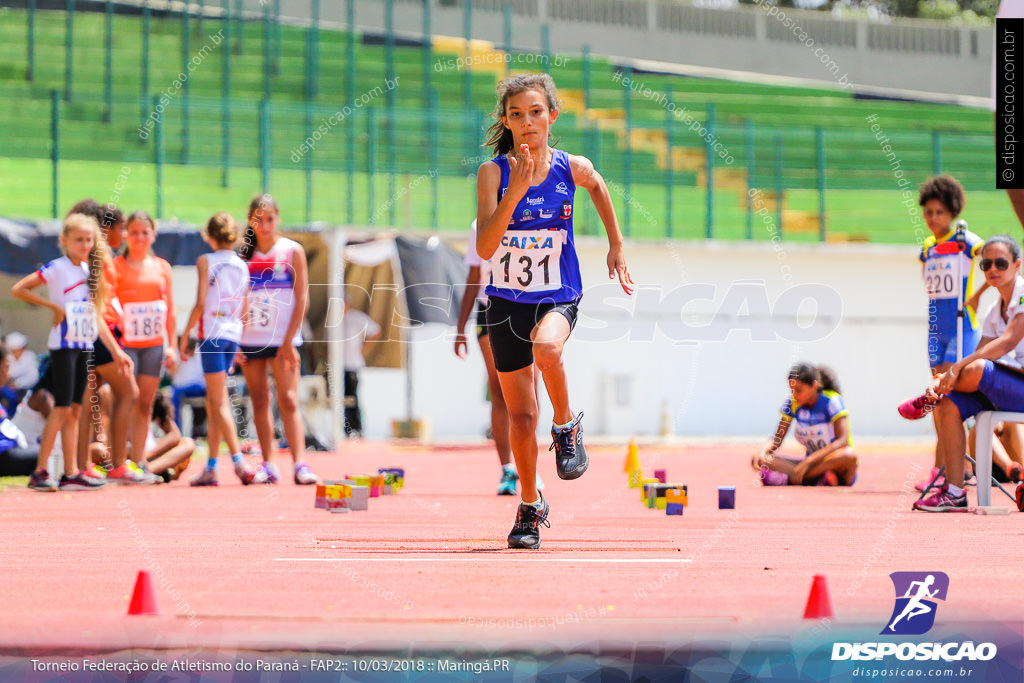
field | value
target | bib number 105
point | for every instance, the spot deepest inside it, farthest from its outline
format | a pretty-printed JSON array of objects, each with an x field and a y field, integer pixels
[{"x": 81, "y": 321}]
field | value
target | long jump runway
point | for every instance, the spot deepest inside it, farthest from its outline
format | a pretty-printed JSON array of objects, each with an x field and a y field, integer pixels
[{"x": 258, "y": 569}]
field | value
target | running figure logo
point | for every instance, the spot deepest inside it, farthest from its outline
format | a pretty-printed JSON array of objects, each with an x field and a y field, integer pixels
[{"x": 915, "y": 608}]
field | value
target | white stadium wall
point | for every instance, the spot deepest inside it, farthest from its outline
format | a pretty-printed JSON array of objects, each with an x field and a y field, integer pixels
[
  {"x": 699, "y": 341},
  {"x": 932, "y": 56}
]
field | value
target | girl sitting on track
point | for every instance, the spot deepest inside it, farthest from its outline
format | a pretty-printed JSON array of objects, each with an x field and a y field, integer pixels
[
  {"x": 76, "y": 293},
  {"x": 221, "y": 303},
  {"x": 822, "y": 428},
  {"x": 166, "y": 456},
  {"x": 989, "y": 379},
  {"x": 145, "y": 289},
  {"x": 278, "y": 299},
  {"x": 524, "y": 219}
]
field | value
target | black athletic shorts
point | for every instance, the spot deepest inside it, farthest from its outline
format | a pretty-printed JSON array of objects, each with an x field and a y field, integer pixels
[
  {"x": 100, "y": 353},
  {"x": 510, "y": 323},
  {"x": 259, "y": 352},
  {"x": 69, "y": 372}
]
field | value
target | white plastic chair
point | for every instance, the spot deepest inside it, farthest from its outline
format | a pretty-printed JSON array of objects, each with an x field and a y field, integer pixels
[{"x": 985, "y": 422}]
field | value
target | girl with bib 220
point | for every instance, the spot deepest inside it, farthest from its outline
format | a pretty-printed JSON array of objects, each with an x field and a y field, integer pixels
[{"x": 524, "y": 218}]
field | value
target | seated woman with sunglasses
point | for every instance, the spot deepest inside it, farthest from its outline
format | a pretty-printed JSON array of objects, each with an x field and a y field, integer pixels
[{"x": 991, "y": 378}]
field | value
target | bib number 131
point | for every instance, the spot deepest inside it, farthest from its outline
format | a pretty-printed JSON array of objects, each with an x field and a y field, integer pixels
[
  {"x": 525, "y": 270},
  {"x": 529, "y": 261}
]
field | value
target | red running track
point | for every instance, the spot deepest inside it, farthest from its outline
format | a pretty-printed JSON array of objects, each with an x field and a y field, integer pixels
[{"x": 260, "y": 568}]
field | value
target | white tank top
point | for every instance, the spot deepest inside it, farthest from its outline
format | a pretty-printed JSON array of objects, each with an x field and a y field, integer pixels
[
  {"x": 271, "y": 296},
  {"x": 228, "y": 281}
]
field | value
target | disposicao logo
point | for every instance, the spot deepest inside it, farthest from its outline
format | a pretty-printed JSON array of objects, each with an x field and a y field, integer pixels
[
  {"x": 916, "y": 593},
  {"x": 913, "y": 615}
]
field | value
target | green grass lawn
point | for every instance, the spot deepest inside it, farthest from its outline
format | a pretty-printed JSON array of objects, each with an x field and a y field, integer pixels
[
  {"x": 13, "y": 483},
  {"x": 407, "y": 201}
]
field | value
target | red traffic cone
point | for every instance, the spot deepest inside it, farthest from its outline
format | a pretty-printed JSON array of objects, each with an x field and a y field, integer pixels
[
  {"x": 143, "y": 597},
  {"x": 819, "y": 604}
]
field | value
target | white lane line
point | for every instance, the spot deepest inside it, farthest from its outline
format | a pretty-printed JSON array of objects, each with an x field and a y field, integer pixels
[{"x": 502, "y": 558}]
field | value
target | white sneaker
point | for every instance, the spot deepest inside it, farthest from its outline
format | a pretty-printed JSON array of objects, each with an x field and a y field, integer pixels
[{"x": 207, "y": 477}]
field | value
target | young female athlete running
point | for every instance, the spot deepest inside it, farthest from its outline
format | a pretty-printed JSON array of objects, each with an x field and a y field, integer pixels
[
  {"x": 221, "y": 303},
  {"x": 278, "y": 299},
  {"x": 822, "y": 428},
  {"x": 145, "y": 290},
  {"x": 524, "y": 218},
  {"x": 76, "y": 291}
]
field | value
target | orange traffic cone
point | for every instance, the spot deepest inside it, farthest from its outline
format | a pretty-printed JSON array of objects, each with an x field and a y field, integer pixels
[
  {"x": 143, "y": 597},
  {"x": 819, "y": 604},
  {"x": 632, "y": 458}
]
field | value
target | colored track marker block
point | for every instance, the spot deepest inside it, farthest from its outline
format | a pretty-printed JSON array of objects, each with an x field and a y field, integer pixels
[
  {"x": 661, "y": 476},
  {"x": 393, "y": 476},
  {"x": 660, "y": 492},
  {"x": 376, "y": 484},
  {"x": 359, "y": 496},
  {"x": 819, "y": 604},
  {"x": 675, "y": 500},
  {"x": 372, "y": 482},
  {"x": 726, "y": 497},
  {"x": 143, "y": 597},
  {"x": 335, "y": 495},
  {"x": 643, "y": 488}
]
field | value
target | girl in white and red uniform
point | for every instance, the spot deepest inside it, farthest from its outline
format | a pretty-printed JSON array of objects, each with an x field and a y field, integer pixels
[
  {"x": 75, "y": 295},
  {"x": 278, "y": 299}
]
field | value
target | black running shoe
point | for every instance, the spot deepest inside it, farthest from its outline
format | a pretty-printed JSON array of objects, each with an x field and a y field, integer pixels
[
  {"x": 526, "y": 531},
  {"x": 40, "y": 480},
  {"x": 570, "y": 455},
  {"x": 80, "y": 483}
]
